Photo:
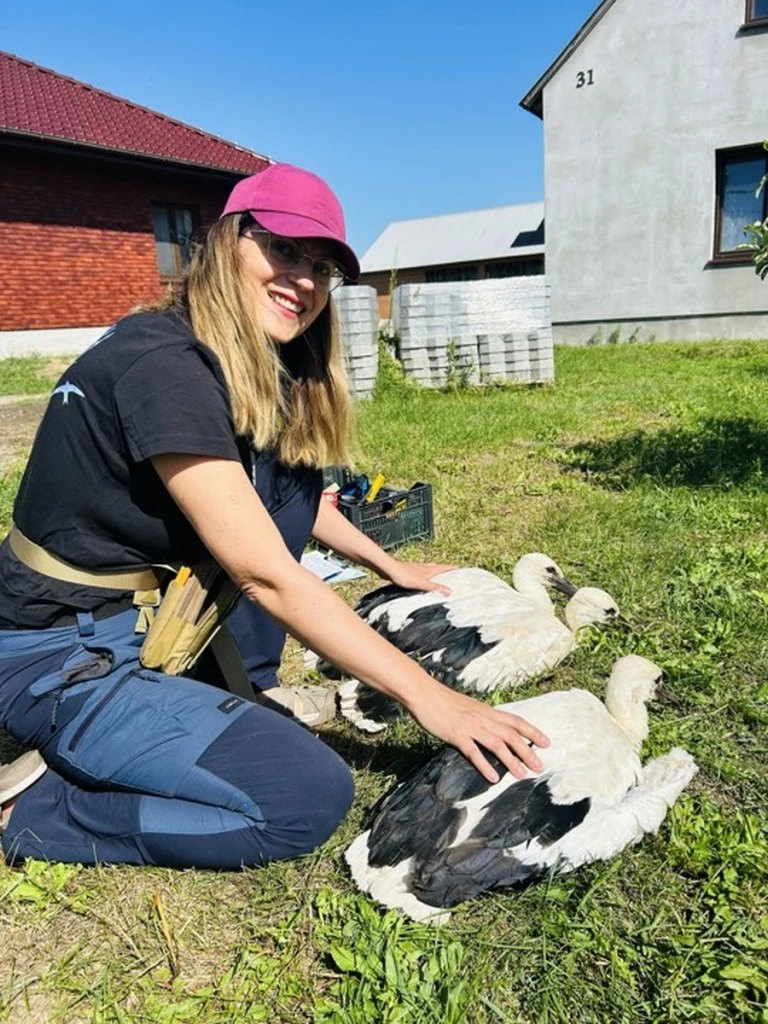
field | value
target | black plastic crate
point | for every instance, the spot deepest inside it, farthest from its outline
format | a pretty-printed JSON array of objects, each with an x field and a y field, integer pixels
[
  {"x": 340, "y": 475},
  {"x": 394, "y": 517}
]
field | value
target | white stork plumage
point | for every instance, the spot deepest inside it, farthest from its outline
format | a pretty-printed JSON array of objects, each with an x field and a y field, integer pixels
[
  {"x": 446, "y": 834},
  {"x": 485, "y": 636}
]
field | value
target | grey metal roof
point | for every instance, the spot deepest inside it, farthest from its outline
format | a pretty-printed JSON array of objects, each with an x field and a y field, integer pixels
[
  {"x": 458, "y": 238},
  {"x": 533, "y": 99}
]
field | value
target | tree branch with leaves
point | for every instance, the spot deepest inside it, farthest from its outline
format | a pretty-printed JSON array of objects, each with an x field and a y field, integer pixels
[{"x": 758, "y": 232}]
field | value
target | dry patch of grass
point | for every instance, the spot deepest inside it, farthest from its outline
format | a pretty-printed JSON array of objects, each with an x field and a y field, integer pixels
[{"x": 19, "y": 421}]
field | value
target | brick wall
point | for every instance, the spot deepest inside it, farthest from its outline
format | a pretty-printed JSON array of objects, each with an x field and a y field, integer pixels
[{"x": 76, "y": 242}]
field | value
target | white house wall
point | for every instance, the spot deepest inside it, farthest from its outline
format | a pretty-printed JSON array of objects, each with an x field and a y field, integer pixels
[{"x": 630, "y": 171}]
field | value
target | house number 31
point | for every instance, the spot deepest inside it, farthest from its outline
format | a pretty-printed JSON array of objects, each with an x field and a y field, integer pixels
[{"x": 584, "y": 78}]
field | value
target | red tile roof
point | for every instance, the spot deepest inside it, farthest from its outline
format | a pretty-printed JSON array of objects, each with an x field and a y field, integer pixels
[{"x": 38, "y": 102}]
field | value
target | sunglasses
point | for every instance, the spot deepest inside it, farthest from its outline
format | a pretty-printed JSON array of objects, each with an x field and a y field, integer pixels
[{"x": 286, "y": 254}]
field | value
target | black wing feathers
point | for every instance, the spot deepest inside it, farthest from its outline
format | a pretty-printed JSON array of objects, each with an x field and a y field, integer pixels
[
  {"x": 420, "y": 813},
  {"x": 519, "y": 814},
  {"x": 426, "y": 631},
  {"x": 375, "y": 705},
  {"x": 463, "y": 646},
  {"x": 390, "y": 592}
]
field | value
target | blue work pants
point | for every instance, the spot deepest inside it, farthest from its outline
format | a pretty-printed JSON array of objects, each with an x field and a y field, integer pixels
[{"x": 146, "y": 768}]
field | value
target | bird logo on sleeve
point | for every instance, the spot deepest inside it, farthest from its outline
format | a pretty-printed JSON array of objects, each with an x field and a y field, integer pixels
[{"x": 66, "y": 389}]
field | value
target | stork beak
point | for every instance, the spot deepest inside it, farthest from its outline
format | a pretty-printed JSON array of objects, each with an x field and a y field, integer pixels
[
  {"x": 666, "y": 698},
  {"x": 564, "y": 585}
]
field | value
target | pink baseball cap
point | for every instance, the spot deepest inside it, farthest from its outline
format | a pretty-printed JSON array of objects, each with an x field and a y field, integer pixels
[{"x": 297, "y": 204}]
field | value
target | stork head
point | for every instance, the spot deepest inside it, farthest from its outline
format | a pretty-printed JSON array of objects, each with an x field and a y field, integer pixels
[
  {"x": 536, "y": 573},
  {"x": 590, "y": 606},
  {"x": 633, "y": 683}
]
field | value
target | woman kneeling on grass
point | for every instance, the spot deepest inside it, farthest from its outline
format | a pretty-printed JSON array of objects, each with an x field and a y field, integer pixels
[{"x": 195, "y": 430}]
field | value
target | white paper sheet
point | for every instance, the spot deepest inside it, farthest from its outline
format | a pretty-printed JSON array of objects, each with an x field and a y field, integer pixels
[{"x": 328, "y": 569}]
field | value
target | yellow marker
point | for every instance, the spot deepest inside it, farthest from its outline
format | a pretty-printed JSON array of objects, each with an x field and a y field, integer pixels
[
  {"x": 182, "y": 575},
  {"x": 378, "y": 480}
]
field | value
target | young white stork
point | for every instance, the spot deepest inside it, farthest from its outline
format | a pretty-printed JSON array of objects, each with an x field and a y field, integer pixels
[
  {"x": 446, "y": 834},
  {"x": 485, "y": 636}
]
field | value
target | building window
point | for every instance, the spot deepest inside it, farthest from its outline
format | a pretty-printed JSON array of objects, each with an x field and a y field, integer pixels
[
  {"x": 436, "y": 274},
  {"x": 739, "y": 172},
  {"x": 523, "y": 267},
  {"x": 174, "y": 228},
  {"x": 757, "y": 12}
]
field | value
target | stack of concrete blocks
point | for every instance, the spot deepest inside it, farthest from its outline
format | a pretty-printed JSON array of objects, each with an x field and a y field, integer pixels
[
  {"x": 358, "y": 315},
  {"x": 494, "y": 329}
]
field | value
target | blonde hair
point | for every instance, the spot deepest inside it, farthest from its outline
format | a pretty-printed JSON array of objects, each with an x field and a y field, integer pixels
[{"x": 291, "y": 398}]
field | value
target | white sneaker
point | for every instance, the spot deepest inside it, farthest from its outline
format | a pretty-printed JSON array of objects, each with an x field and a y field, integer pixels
[
  {"x": 15, "y": 778},
  {"x": 310, "y": 705}
]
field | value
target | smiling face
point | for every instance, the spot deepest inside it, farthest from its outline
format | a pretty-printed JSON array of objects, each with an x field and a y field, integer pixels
[{"x": 286, "y": 301}]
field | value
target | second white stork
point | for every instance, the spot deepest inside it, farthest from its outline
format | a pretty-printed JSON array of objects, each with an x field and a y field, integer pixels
[{"x": 485, "y": 636}]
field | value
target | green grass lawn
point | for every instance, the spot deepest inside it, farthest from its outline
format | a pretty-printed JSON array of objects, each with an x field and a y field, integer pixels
[
  {"x": 29, "y": 375},
  {"x": 643, "y": 470}
]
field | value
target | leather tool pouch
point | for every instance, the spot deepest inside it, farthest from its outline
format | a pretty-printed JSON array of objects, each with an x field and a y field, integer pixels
[{"x": 190, "y": 613}]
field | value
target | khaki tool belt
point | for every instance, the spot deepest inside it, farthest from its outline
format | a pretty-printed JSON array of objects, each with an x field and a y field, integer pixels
[
  {"x": 42, "y": 561},
  {"x": 145, "y": 583},
  {"x": 188, "y": 616}
]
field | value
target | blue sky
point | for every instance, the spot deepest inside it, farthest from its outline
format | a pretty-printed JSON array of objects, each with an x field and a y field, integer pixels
[{"x": 408, "y": 109}]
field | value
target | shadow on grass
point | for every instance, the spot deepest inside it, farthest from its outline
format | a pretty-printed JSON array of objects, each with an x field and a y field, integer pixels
[
  {"x": 385, "y": 754},
  {"x": 719, "y": 453},
  {"x": 10, "y": 749}
]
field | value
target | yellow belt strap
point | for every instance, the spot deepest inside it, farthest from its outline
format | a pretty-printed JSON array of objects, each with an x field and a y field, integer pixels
[{"x": 42, "y": 561}]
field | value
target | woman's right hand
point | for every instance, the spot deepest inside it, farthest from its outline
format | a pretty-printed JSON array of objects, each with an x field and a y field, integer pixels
[{"x": 473, "y": 727}]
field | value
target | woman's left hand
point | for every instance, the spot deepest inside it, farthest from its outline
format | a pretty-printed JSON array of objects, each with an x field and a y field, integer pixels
[
  {"x": 418, "y": 576},
  {"x": 337, "y": 533}
]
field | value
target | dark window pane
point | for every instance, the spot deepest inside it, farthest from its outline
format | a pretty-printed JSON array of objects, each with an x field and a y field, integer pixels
[
  {"x": 184, "y": 229},
  {"x": 760, "y": 8},
  {"x": 516, "y": 268},
  {"x": 164, "y": 246},
  {"x": 450, "y": 274},
  {"x": 174, "y": 227},
  {"x": 740, "y": 205}
]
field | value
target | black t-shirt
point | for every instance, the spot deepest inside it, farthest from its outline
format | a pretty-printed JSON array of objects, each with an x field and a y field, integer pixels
[{"x": 89, "y": 493}]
